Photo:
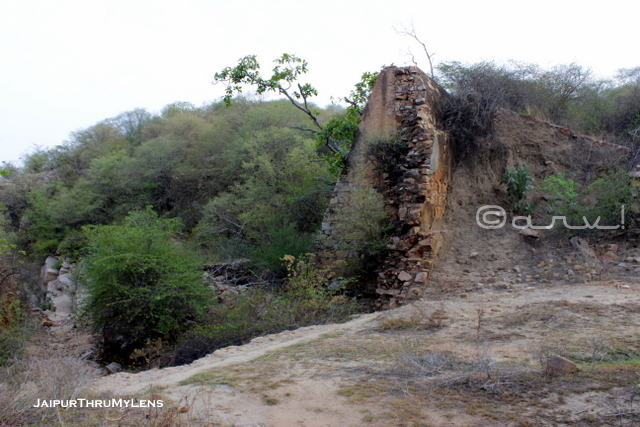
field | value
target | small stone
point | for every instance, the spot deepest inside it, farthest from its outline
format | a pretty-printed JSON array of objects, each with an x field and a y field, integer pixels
[
  {"x": 421, "y": 277},
  {"x": 557, "y": 366},
  {"x": 625, "y": 265},
  {"x": 403, "y": 276},
  {"x": 578, "y": 267},
  {"x": 609, "y": 256},
  {"x": 113, "y": 367},
  {"x": 542, "y": 264},
  {"x": 527, "y": 232},
  {"x": 473, "y": 254}
]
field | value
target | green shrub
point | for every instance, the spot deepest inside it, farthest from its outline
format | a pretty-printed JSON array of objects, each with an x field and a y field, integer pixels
[
  {"x": 518, "y": 183},
  {"x": 142, "y": 285},
  {"x": 12, "y": 330},
  {"x": 603, "y": 198},
  {"x": 387, "y": 155},
  {"x": 362, "y": 230},
  {"x": 280, "y": 240},
  {"x": 73, "y": 245},
  {"x": 12, "y": 344},
  {"x": 309, "y": 297}
]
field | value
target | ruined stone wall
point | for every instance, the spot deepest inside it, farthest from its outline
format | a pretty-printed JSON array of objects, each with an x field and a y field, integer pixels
[{"x": 404, "y": 102}]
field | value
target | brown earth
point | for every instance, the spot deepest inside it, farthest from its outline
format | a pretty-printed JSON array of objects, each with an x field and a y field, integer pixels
[{"x": 467, "y": 359}]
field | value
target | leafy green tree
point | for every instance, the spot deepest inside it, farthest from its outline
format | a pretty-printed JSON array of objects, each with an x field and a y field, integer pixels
[
  {"x": 279, "y": 195},
  {"x": 12, "y": 311},
  {"x": 54, "y": 209},
  {"x": 285, "y": 74},
  {"x": 132, "y": 124},
  {"x": 335, "y": 136},
  {"x": 142, "y": 284}
]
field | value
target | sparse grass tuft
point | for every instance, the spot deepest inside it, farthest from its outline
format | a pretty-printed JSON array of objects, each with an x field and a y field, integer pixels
[
  {"x": 270, "y": 401},
  {"x": 420, "y": 319}
]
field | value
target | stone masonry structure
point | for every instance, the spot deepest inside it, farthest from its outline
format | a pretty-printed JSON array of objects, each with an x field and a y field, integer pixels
[{"x": 404, "y": 104}]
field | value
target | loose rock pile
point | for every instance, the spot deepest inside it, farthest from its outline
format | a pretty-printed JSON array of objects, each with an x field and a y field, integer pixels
[{"x": 62, "y": 290}]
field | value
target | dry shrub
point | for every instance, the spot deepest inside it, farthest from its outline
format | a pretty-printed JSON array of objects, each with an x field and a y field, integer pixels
[
  {"x": 421, "y": 318},
  {"x": 429, "y": 363},
  {"x": 23, "y": 383}
]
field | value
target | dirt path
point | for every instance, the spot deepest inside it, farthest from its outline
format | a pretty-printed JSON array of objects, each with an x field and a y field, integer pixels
[{"x": 347, "y": 374}]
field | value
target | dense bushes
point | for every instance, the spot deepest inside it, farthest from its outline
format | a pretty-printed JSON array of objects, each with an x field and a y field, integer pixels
[
  {"x": 310, "y": 296},
  {"x": 12, "y": 312},
  {"x": 235, "y": 177},
  {"x": 600, "y": 202},
  {"x": 567, "y": 95},
  {"x": 142, "y": 284}
]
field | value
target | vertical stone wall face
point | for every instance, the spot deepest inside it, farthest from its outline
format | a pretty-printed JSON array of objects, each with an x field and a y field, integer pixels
[{"x": 404, "y": 102}]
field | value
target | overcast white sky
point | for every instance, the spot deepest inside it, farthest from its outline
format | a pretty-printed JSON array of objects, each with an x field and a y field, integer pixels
[{"x": 68, "y": 64}]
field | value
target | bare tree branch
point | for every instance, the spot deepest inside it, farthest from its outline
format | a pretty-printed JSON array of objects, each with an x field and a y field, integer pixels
[
  {"x": 404, "y": 31},
  {"x": 303, "y": 129},
  {"x": 299, "y": 106}
]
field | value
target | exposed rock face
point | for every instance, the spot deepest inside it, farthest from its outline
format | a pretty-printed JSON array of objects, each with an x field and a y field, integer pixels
[
  {"x": 61, "y": 289},
  {"x": 404, "y": 103}
]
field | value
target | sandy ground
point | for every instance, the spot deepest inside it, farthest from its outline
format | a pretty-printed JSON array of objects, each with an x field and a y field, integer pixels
[{"x": 306, "y": 377}]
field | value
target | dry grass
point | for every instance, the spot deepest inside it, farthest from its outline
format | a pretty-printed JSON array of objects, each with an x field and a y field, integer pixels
[
  {"x": 421, "y": 318},
  {"x": 24, "y": 382}
]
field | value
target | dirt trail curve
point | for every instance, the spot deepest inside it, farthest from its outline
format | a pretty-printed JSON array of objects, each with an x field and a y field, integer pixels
[
  {"x": 346, "y": 374},
  {"x": 127, "y": 383}
]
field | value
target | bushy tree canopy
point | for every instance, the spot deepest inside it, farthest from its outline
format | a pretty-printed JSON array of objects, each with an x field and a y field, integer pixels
[{"x": 142, "y": 284}]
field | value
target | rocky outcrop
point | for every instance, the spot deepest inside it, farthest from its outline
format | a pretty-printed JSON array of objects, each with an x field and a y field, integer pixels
[
  {"x": 61, "y": 289},
  {"x": 404, "y": 104}
]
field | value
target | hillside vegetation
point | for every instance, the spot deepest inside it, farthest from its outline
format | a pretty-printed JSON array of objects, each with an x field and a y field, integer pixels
[{"x": 242, "y": 179}]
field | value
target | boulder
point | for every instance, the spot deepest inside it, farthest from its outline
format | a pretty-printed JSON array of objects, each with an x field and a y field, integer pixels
[
  {"x": 48, "y": 273},
  {"x": 556, "y": 366},
  {"x": 53, "y": 288},
  {"x": 63, "y": 304},
  {"x": 66, "y": 283}
]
